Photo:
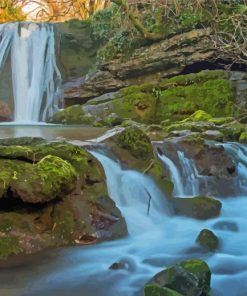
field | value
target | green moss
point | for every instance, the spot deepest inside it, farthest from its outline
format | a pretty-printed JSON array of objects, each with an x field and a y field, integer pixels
[
  {"x": 213, "y": 96},
  {"x": 9, "y": 245},
  {"x": 6, "y": 225},
  {"x": 153, "y": 290},
  {"x": 199, "y": 115},
  {"x": 208, "y": 240},
  {"x": 64, "y": 227},
  {"x": 221, "y": 120},
  {"x": 243, "y": 138},
  {"x": 138, "y": 106},
  {"x": 194, "y": 97},
  {"x": 72, "y": 115},
  {"x": 137, "y": 142}
]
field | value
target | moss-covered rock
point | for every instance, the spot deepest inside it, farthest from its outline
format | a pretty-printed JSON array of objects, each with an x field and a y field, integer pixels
[
  {"x": 153, "y": 290},
  {"x": 53, "y": 194},
  {"x": 189, "y": 278},
  {"x": 208, "y": 240},
  {"x": 72, "y": 115},
  {"x": 137, "y": 142},
  {"x": 199, "y": 115},
  {"x": 243, "y": 138},
  {"x": 9, "y": 245},
  {"x": 197, "y": 207},
  {"x": 233, "y": 130}
]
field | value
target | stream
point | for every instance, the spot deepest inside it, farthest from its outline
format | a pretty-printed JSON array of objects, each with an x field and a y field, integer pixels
[{"x": 156, "y": 238}]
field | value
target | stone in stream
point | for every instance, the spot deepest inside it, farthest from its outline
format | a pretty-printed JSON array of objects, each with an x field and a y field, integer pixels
[
  {"x": 188, "y": 278},
  {"x": 201, "y": 207},
  {"x": 208, "y": 240}
]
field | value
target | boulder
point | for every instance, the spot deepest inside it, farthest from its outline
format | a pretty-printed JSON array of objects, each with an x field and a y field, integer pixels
[
  {"x": 52, "y": 194},
  {"x": 208, "y": 240},
  {"x": 197, "y": 207},
  {"x": 190, "y": 278}
]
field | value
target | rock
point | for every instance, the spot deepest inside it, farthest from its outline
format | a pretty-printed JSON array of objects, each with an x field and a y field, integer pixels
[
  {"x": 118, "y": 265},
  {"x": 213, "y": 135},
  {"x": 91, "y": 86},
  {"x": 226, "y": 225},
  {"x": 48, "y": 179},
  {"x": 208, "y": 240},
  {"x": 52, "y": 194},
  {"x": 102, "y": 99},
  {"x": 137, "y": 142},
  {"x": 233, "y": 130},
  {"x": 189, "y": 278},
  {"x": 5, "y": 112},
  {"x": 197, "y": 207},
  {"x": 72, "y": 115},
  {"x": 153, "y": 290}
]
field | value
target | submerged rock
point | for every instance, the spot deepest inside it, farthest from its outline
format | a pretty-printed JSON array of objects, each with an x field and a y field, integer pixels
[
  {"x": 189, "y": 278},
  {"x": 197, "y": 207},
  {"x": 208, "y": 240}
]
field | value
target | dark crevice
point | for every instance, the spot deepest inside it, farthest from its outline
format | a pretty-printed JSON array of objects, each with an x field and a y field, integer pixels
[
  {"x": 12, "y": 203},
  {"x": 218, "y": 64},
  {"x": 22, "y": 158}
]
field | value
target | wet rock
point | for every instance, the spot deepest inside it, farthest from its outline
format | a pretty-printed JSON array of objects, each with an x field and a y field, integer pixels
[
  {"x": 197, "y": 207},
  {"x": 213, "y": 135},
  {"x": 226, "y": 225},
  {"x": 208, "y": 240},
  {"x": 118, "y": 265},
  {"x": 153, "y": 290},
  {"x": 189, "y": 278},
  {"x": 5, "y": 112}
]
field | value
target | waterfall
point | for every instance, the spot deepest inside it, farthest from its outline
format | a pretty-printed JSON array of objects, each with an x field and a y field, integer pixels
[
  {"x": 36, "y": 79},
  {"x": 174, "y": 174},
  {"x": 239, "y": 154},
  {"x": 141, "y": 202}
]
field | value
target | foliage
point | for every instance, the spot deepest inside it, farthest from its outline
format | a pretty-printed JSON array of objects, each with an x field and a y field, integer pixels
[{"x": 9, "y": 12}]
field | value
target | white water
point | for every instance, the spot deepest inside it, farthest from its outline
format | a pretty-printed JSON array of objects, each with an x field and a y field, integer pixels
[
  {"x": 140, "y": 200},
  {"x": 152, "y": 245},
  {"x": 36, "y": 80}
]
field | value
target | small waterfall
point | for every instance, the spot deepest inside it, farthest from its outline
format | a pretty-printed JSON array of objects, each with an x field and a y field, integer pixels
[
  {"x": 190, "y": 175},
  {"x": 174, "y": 174},
  {"x": 36, "y": 79},
  {"x": 140, "y": 200},
  {"x": 239, "y": 154}
]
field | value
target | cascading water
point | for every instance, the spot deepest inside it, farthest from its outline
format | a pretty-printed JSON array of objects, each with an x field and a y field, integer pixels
[
  {"x": 36, "y": 79},
  {"x": 140, "y": 200}
]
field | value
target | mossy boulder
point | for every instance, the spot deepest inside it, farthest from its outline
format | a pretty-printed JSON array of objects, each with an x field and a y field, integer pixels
[
  {"x": 72, "y": 115},
  {"x": 190, "y": 278},
  {"x": 197, "y": 207},
  {"x": 208, "y": 240},
  {"x": 136, "y": 141},
  {"x": 153, "y": 290},
  {"x": 53, "y": 194}
]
